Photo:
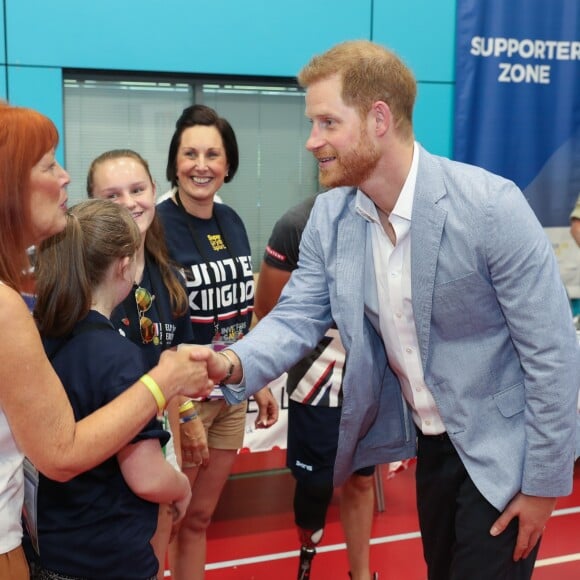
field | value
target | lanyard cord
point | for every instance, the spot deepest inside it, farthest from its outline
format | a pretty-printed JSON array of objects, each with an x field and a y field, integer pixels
[{"x": 201, "y": 250}]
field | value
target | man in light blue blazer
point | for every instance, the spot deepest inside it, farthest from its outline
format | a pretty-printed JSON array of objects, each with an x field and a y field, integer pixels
[{"x": 456, "y": 325}]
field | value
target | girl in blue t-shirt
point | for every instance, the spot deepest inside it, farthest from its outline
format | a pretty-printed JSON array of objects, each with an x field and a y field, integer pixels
[{"x": 100, "y": 523}]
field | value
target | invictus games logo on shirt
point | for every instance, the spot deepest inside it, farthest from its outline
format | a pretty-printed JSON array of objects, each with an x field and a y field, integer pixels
[{"x": 216, "y": 242}]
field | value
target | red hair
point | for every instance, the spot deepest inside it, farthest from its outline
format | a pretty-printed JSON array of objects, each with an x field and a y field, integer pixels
[{"x": 25, "y": 137}]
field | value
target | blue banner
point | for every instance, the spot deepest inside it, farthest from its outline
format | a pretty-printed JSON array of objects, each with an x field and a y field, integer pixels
[{"x": 517, "y": 102}]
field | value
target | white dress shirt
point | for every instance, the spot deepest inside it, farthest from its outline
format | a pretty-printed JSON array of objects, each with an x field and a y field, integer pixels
[{"x": 392, "y": 264}]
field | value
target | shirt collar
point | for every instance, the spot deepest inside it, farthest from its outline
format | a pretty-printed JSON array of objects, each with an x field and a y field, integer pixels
[{"x": 366, "y": 208}]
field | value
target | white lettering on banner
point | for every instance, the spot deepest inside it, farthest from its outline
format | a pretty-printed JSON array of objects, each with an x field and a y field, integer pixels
[
  {"x": 525, "y": 49},
  {"x": 530, "y": 73}
]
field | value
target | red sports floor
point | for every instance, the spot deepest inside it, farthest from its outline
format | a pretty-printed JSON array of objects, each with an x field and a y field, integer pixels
[{"x": 253, "y": 537}]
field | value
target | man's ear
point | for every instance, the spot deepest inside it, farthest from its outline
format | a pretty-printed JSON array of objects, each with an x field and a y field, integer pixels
[{"x": 381, "y": 117}]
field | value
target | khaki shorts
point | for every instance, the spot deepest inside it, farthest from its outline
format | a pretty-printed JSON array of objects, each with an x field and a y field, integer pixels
[
  {"x": 13, "y": 565},
  {"x": 224, "y": 424}
]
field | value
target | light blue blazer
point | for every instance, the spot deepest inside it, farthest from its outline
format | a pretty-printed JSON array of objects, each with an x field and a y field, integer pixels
[{"x": 498, "y": 346}]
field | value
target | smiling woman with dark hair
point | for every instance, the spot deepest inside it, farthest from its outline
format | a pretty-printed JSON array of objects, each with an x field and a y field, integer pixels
[{"x": 209, "y": 241}]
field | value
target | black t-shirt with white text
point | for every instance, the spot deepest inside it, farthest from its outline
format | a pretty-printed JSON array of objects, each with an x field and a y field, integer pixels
[{"x": 216, "y": 260}]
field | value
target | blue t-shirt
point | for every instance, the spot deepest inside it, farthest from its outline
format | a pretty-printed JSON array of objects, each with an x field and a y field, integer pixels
[
  {"x": 94, "y": 526},
  {"x": 216, "y": 259}
]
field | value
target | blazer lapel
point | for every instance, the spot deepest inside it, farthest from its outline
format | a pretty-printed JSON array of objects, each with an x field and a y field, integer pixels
[
  {"x": 350, "y": 268},
  {"x": 427, "y": 222}
]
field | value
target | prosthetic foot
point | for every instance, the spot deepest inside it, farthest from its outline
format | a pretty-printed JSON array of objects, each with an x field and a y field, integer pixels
[
  {"x": 305, "y": 564},
  {"x": 309, "y": 539}
]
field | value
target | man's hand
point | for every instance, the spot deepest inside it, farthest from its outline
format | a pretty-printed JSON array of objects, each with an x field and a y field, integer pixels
[
  {"x": 217, "y": 365},
  {"x": 533, "y": 512},
  {"x": 267, "y": 409},
  {"x": 187, "y": 368}
]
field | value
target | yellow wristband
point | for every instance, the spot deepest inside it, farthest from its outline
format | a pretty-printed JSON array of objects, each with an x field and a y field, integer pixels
[
  {"x": 184, "y": 407},
  {"x": 157, "y": 393}
]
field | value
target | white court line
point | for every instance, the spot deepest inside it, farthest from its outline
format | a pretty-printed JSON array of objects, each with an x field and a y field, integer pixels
[
  {"x": 560, "y": 559},
  {"x": 382, "y": 540},
  {"x": 557, "y": 560},
  {"x": 566, "y": 511},
  {"x": 296, "y": 553}
]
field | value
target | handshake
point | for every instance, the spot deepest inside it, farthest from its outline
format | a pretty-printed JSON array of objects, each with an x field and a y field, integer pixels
[
  {"x": 198, "y": 369},
  {"x": 193, "y": 371}
]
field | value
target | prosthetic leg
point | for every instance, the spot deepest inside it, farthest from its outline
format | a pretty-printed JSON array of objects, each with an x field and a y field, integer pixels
[
  {"x": 310, "y": 507},
  {"x": 308, "y": 540}
]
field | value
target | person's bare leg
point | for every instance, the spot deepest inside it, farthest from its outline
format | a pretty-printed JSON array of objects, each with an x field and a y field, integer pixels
[
  {"x": 357, "y": 504},
  {"x": 189, "y": 547}
]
